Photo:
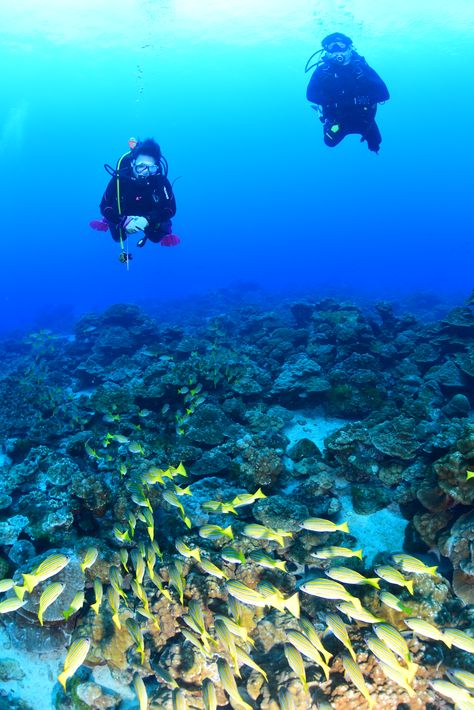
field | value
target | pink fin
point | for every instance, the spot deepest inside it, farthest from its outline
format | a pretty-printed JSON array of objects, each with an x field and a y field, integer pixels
[
  {"x": 100, "y": 225},
  {"x": 170, "y": 240}
]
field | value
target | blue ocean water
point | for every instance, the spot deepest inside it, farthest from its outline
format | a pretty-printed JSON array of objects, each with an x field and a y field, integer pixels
[{"x": 221, "y": 86}]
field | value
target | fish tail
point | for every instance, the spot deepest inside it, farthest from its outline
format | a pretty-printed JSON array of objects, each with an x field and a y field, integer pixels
[
  {"x": 352, "y": 652},
  {"x": 30, "y": 582},
  {"x": 412, "y": 669},
  {"x": 116, "y": 620},
  {"x": 228, "y": 532},
  {"x": 281, "y": 565},
  {"x": 344, "y": 527},
  {"x": 293, "y": 605},
  {"x": 279, "y": 539},
  {"x": 67, "y": 614},
  {"x": 432, "y": 570},
  {"x": 187, "y": 521},
  {"x": 151, "y": 533},
  {"x": 40, "y": 617},
  {"x": 374, "y": 582},
  {"x": 446, "y": 641},
  {"x": 83, "y": 567},
  {"x": 95, "y": 607},
  {"x": 196, "y": 553},
  {"x": 406, "y": 609},
  {"x": 358, "y": 553},
  {"x": 409, "y": 585},
  {"x": 19, "y": 591},
  {"x": 325, "y": 668},
  {"x": 63, "y": 678}
]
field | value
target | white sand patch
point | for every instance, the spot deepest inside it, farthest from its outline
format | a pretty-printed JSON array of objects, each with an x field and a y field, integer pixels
[
  {"x": 312, "y": 424},
  {"x": 383, "y": 531},
  {"x": 41, "y": 671}
]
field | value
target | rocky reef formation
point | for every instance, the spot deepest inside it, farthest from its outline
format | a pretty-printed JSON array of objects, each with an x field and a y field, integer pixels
[{"x": 95, "y": 425}]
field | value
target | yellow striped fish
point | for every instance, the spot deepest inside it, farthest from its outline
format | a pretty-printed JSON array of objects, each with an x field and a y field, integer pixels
[
  {"x": 228, "y": 683},
  {"x": 89, "y": 558},
  {"x": 244, "y": 658},
  {"x": 465, "y": 678},
  {"x": 187, "y": 551},
  {"x": 136, "y": 633},
  {"x": 209, "y": 695},
  {"x": 455, "y": 693},
  {"x": 261, "y": 558},
  {"x": 75, "y": 657},
  {"x": 179, "y": 700},
  {"x": 296, "y": 663},
  {"x": 232, "y": 555},
  {"x": 393, "y": 602},
  {"x": 393, "y": 576},
  {"x": 99, "y": 593},
  {"x": 423, "y": 628},
  {"x": 385, "y": 655},
  {"x": 214, "y": 532},
  {"x": 235, "y": 628},
  {"x": 395, "y": 641},
  {"x": 459, "y": 639},
  {"x": 339, "y": 629},
  {"x": 328, "y": 589},
  {"x": 354, "y": 673},
  {"x": 278, "y": 601},
  {"x": 399, "y": 676},
  {"x": 247, "y": 595},
  {"x": 312, "y": 636},
  {"x": 323, "y": 526},
  {"x": 359, "y": 614},
  {"x": 285, "y": 698},
  {"x": 350, "y": 576},
  {"x": 140, "y": 690},
  {"x": 49, "y": 567},
  {"x": 299, "y": 641},
  {"x": 262, "y": 532},
  {"x": 48, "y": 597},
  {"x": 11, "y": 604},
  {"x": 6, "y": 585},
  {"x": 76, "y": 604},
  {"x": 327, "y": 553},
  {"x": 408, "y": 563},
  {"x": 212, "y": 569}
]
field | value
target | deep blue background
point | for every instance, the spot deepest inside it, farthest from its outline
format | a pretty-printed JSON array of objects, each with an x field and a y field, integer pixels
[{"x": 260, "y": 197}]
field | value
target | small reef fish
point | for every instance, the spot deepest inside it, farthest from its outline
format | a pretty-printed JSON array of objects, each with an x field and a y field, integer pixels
[
  {"x": 214, "y": 532},
  {"x": 76, "y": 604},
  {"x": 11, "y": 604},
  {"x": 399, "y": 676},
  {"x": 359, "y": 614},
  {"x": 164, "y": 675},
  {"x": 121, "y": 535},
  {"x": 350, "y": 576},
  {"x": 228, "y": 642},
  {"x": 459, "y": 676},
  {"x": 278, "y": 601},
  {"x": 235, "y": 628},
  {"x": 393, "y": 576},
  {"x": 247, "y": 595},
  {"x": 6, "y": 585},
  {"x": 460, "y": 639},
  {"x": 111, "y": 418},
  {"x": 296, "y": 663},
  {"x": 89, "y": 558},
  {"x": 212, "y": 569},
  {"x": 178, "y": 470},
  {"x": 339, "y": 629},
  {"x": 153, "y": 475},
  {"x": 262, "y": 532},
  {"x": 124, "y": 559},
  {"x": 182, "y": 491},
  {"x": 116, "y": 581},
  {"x": 138, "y": 496},
  {"x": 423, "y": 628},
  {"x": 385, "y": 655},
  {"x": 140, "y": 690},
  {"x": 413, "y": 564},
  {"x": 119, "y": 438},
  {"x": 48, "y": 568},
  {"x": 228, "y": 683},
  {"x": 177, "y": 581},
  {"x": 136, "y": 633},
  {"x": 232, "y": 555},
  {"x": 75, "y": 657},
  {"x": 99, "y": 594},
  {"x": 217, "y": 506},
  {"x": 393, "y": 602},
  {"x": 285, "y": 698},
  {"x": 312, "y": 636},
  {"x": 179, "y": 700},
  {"x": 261, "y": 558},
  {"x": 209, "y": 696},
  {"x": 122, "y": 469},
  {"x": 187, "y": 551},
  {"x": 354, "y": 674},
  {"x": 327, "y": 553},
  {"x": 304, "y": 646},
  {"x": 328, "y": 589},
  {"x": 114, "y": 602},
  {"x": 247, "y": 498},
  {"x": 395, "y": 641},
  {"x": 136, "y": 448},
  {"x": 90, "y": 451},
  {"x": 323, "y": 526},
  {"x": 453, "y": 692},
  {"x": 244, "y": 659},
  {"x": 150, "y": 523}
]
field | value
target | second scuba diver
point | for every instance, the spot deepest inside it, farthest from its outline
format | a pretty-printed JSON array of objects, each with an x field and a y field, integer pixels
[
  {"x": 139, "y": 198},
  {"x": 348, "y": 90}
]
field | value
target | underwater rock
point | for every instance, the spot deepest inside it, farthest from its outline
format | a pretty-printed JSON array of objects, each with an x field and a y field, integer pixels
[
  {"x": 446, "y": 375},
  {"x": 261, "y": 465},
  {"x": 465, "y": 362},
  {"x": 368, "y": 498},
  {"x": 302, "y": 313},
  {"x": 5, "y": 501},
  {"x": 10, "y": 669},
  {"x": 396, "y": 438},
  {"x": 303, "y": 449},
  {"x": 94, "y": 697},
  {"x": 11, "y": 529},
  {"x": 460, "y": 319},
  {"x": 451, "y": 477},
  {"x": 208, "y": 426},
  {"x": 429, "y": 526},
  {"x": 458, "y": 406},
  {"x": 21, "y": 552},
  {"x": 280, "y": 512},
  {"x": 294, "y": 376},
  {"x": 458, "y": 545}
]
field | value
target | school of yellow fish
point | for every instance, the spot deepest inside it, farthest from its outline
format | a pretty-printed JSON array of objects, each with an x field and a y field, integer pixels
[{"x": 137, "y": 581}]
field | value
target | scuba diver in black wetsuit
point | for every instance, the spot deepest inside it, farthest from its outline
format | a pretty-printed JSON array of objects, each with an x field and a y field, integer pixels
[
  {"x": 348, "y": 91},
  {"x": 139, "y": 198}
]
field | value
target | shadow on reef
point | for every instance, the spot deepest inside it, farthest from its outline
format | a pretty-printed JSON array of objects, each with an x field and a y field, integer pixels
[{"x": 202, "y": 579}]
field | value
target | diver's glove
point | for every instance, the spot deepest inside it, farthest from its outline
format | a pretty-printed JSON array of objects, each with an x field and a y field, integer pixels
[
  {"x": 135, "y": 224},
  {"x": 363, "y": 101}
]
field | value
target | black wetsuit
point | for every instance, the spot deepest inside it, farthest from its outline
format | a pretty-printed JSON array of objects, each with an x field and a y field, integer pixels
[
  {"x": 348, "y": 95},
  {"x": 152, "y": 198}
]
